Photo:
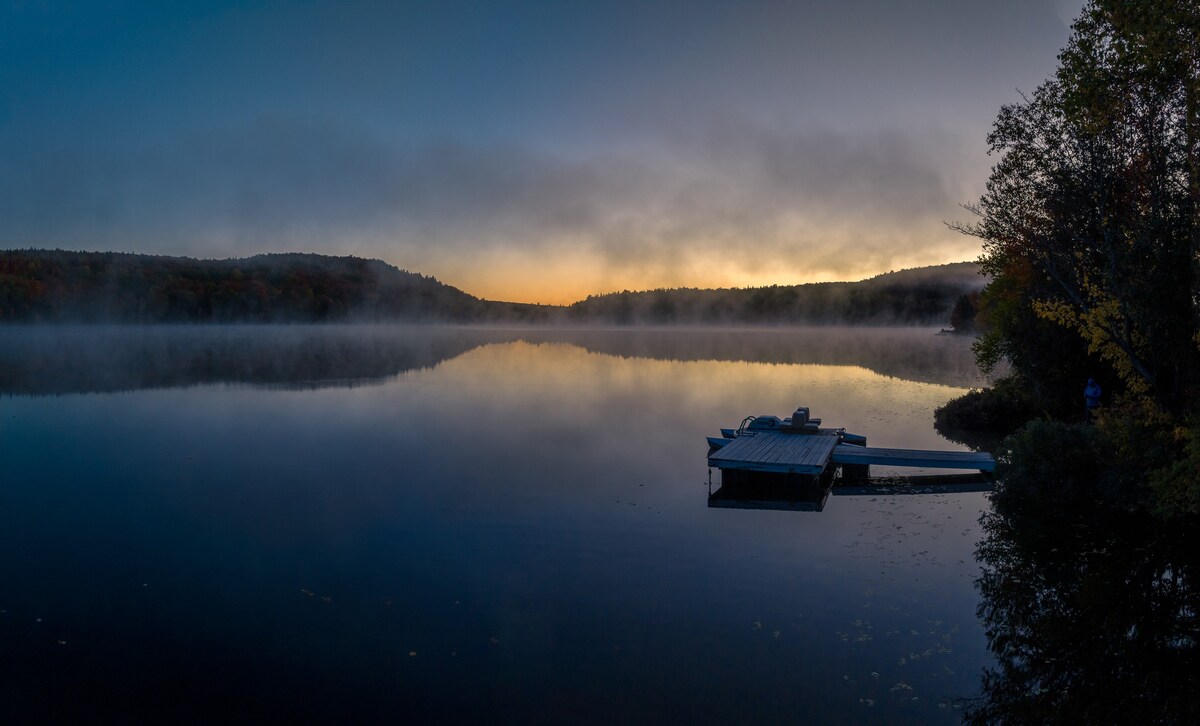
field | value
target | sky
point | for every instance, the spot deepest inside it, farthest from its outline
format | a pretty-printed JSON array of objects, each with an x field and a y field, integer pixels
[{"x": 524, "y": 151}]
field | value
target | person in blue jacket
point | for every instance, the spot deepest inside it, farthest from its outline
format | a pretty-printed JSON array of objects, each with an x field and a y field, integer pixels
[{"x": 1091, "y": 398}]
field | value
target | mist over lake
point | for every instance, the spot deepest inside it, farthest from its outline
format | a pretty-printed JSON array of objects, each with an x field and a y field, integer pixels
[
  {"x": 600, "y": 363},
  {"x": 362, "y": 523}
]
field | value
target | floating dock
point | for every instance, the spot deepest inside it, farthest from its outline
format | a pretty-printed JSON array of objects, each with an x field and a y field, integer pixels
[
  {"x": 813, "y": 454},
  {"x": 798, "y": 446}
]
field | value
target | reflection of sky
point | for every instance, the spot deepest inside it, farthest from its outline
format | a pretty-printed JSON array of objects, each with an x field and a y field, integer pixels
[{"x": 539, "y": 495}]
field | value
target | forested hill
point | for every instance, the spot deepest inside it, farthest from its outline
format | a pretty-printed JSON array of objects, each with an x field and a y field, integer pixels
[
  {"x": 921, "y": 296},
  {"x": 60, "y": 286}
]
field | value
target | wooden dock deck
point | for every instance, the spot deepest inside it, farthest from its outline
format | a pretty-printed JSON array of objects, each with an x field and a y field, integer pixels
[
  {"x": 776, "y": 452},
  {"x": 982, "y": 461}
]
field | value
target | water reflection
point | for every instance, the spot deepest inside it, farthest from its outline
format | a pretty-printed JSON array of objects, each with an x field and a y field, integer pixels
[
  {"x": 753, "y": 490},
  {"x": 42, "y": 360},
  {"x": 1092, "y": 618},
  {"x": 527, "y": 517},
  {"x": 47, "y": 360},
  {"x": 914, "y": 354}
]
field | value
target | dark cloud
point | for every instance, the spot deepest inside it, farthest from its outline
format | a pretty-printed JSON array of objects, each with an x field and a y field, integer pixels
[{"x": 278, "y": 186}]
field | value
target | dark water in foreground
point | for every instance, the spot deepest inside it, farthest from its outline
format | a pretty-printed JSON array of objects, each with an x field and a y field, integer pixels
[{"x": 435, "y": 525}]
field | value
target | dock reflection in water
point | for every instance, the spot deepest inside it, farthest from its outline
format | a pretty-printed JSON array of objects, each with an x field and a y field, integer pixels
[
  {"x": 799, "y": 493},
  {"x": 768, "y": 490}
]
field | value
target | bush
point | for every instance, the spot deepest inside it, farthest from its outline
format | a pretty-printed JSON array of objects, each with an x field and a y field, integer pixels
[
  {"x": 980, "y": 418},
  {"x": 1048, "y": 466},
  {"x": 1137, "y": 439},
  {"x": 1176, "y": 487}
]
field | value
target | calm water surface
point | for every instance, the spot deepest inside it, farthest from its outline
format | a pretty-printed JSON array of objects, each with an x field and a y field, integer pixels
[{"x": 358, "y": 524}]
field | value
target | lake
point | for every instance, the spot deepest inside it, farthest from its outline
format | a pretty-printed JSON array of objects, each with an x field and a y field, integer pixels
[{"x": 429, "y": 524}]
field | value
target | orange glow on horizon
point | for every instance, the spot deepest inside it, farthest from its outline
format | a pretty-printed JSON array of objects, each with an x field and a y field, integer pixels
[{"x": 563, "y": 283}]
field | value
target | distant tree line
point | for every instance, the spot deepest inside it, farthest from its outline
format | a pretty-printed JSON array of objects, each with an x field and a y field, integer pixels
[
  {"x": 923, "y": 296},
  {"x": 61, "y": 286}
]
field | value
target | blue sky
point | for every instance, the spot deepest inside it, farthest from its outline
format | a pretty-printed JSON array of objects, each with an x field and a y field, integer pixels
[{"x": 534, "y": 151}]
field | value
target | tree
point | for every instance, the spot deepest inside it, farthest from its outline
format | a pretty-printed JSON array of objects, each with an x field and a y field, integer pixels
[
  {"x": 962, "y": 317},
  {"x": 1091, "y": 217}
]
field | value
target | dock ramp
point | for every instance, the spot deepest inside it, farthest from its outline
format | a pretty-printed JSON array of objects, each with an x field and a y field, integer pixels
[{"x": 982, "y": 461}]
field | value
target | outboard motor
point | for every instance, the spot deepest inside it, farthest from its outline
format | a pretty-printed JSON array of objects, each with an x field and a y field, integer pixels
[
  {"x": 800, "y": 417},
  {"x": 766, "y": 423}
]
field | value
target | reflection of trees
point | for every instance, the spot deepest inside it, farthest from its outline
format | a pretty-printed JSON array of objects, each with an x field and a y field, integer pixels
[
  {"x": 1092, "y": 618},
  {"x": 43, "y": 360},
  {"x": 54, "y": 360},
  {"x": 909, "y": 353},
  {"x": 978, "y": 440}
]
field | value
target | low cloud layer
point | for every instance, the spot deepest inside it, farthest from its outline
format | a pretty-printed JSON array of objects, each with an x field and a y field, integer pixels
[
  {"x": 739, "y": 204},
  {"x": 528, "y": 151}
]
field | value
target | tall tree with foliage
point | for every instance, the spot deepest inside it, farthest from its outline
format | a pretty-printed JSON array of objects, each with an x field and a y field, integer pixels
[{"x": 1091, "y": 218}]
